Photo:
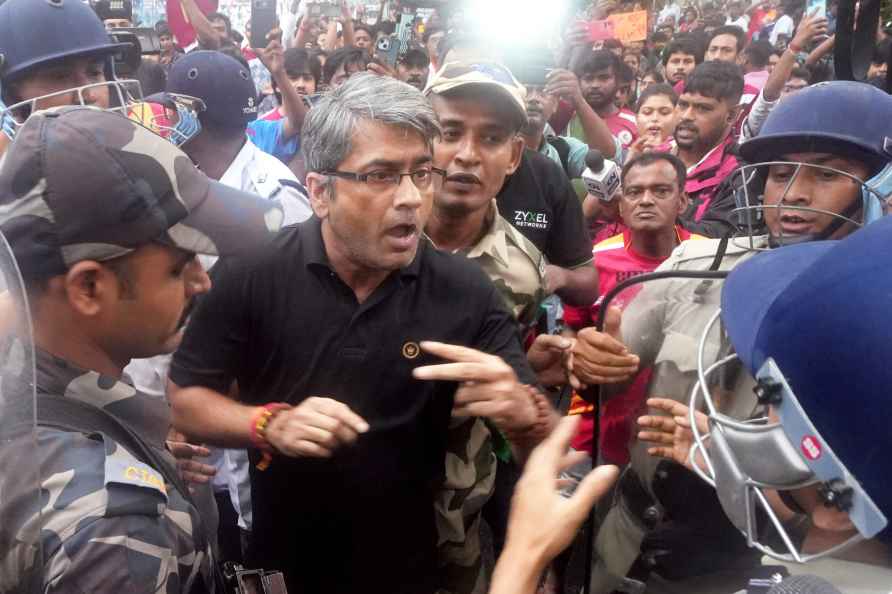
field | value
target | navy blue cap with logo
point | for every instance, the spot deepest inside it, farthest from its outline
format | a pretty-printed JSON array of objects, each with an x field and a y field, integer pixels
[
  {"x": 224, "y": 84},
  {"x": 33, "y": 34},
  {"x": 820, "y": 311}
]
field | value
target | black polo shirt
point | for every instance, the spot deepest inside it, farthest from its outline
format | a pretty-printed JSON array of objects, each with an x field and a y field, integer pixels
[
  {"x": 540, "y": 202},
  {"x": 285, "y": 326}
]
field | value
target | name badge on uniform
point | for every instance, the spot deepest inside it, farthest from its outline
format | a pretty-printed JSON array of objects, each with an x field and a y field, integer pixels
[{"x": 121, "y": 471}]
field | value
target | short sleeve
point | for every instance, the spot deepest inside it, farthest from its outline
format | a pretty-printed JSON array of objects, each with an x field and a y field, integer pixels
[
  {"x": 217, "y": 332},
  {"x": 267, "y": 135},
  {"x": 498, "y": 335},
  {"x": 579, "y": 150},
  {"x": 576, "y": 157},
  {"x": 568, "y": 245}
]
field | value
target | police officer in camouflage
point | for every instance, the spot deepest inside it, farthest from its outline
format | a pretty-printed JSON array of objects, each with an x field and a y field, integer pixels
[{"x": 105, "y": 219}]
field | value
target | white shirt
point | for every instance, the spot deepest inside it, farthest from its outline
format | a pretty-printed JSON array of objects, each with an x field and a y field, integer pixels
[
  {"x": 670, "y": 10},
  {"x": 743, "y": 22},
  {"x": 783, "y": 26},
  {"x": 759, "y": 112},
  {"x": 259, "y": 173},
  {"x": 256, "y": 172}
]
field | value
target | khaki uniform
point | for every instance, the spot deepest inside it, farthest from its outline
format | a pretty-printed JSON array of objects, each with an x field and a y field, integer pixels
[
  {"x": 517, "y": 268},
  {"x": 663, "y": 325},
  {"x": 514, "y": 264}
]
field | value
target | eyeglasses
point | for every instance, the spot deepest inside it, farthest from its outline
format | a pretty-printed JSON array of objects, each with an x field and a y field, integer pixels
[{"x": 389, "y": 180}]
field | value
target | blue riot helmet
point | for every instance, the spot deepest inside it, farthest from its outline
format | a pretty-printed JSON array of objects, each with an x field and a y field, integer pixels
[
  {"x": 810, "y": 323},
  {"x": 844, "y": 118},
  {"x": 35, "y": 34}
]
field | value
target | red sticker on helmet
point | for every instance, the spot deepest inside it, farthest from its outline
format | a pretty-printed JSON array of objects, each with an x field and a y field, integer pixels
[{"x": 811, "y": 447}]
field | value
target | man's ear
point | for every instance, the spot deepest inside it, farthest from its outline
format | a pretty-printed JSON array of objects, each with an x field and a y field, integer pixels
[
  {"x": 732, "y": 114},
  {"x": 517, "y": 147},
  {"x": 319, "y": 188},
  {"x": 683, "y": 202},
  {"x": 89, "y": 286}
]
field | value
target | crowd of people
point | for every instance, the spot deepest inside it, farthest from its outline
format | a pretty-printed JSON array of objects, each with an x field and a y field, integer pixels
[{"x": 370, "y": 307}]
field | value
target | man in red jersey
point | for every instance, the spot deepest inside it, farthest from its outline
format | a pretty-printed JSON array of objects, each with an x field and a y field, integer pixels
[
  {"x": 652, "y": 200},
  {"x": 598, "y": 75}
]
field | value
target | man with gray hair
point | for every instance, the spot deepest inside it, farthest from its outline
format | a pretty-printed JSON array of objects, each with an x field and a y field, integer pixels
[{"x": 328, "y": 337}]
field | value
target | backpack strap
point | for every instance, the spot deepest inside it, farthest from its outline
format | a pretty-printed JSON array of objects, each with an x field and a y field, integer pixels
[
  {"x": 563, "y": 149},
  {"x": 70, "y": 414}
]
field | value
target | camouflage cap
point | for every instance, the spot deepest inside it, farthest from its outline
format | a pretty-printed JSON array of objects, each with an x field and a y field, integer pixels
[
  {"x": 455, "y": 75},
  {"x": 80, "y": 183}
]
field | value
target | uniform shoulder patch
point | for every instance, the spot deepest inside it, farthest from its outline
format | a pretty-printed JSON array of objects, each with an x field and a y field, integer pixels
[{"x": 121, "y": 468}]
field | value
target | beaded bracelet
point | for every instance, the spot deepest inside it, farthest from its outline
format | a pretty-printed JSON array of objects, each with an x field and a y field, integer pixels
[{"x": 259, "y": 424}]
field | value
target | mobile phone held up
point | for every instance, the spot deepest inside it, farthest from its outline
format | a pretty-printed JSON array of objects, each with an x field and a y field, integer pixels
[
  {"x": 263, "y": 20},
  {"x": 530, "y": 66},
  {"x": 600, "y": 30},
  {"x": 323, "y": 9},
  {"x": 816, "y": 8}
]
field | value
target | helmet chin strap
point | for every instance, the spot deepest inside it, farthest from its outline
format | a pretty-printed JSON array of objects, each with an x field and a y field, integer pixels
[{"x": 825, "y": 234}]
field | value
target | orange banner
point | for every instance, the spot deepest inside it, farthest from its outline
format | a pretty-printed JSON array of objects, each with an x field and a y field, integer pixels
[{"x": 630, "y": 26}]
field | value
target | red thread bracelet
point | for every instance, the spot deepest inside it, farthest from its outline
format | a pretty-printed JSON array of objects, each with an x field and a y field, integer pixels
[{"x": 261, "y": 420}]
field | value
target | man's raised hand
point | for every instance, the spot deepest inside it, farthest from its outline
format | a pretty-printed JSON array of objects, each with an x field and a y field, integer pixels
[{"x": 488, "y": 387}]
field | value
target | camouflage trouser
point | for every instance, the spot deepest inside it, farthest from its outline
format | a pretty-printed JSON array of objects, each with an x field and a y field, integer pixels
[{"x": 470, "y": 479}]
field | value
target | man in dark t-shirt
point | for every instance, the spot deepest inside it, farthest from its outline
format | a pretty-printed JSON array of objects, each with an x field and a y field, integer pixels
[
  {"x": 324, "y": 332},
  {"x": 540, "y": 202}
]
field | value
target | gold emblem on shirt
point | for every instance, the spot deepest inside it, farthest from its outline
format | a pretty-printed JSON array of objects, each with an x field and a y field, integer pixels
[{"x": 411, "y": 350}]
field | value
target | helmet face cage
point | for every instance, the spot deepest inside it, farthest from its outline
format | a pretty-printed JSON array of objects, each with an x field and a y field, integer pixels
[
  {"x": 177, "y": 122},
  {"x": 743, "y": 459},
  {"x": 122, "y": 93},
  {"x": 748, "y": 184}
]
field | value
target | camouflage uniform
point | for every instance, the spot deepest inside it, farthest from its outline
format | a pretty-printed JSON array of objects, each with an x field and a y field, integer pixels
[
  {"x": 80, "y": 183},
  {"x": 517, "y": 269},
  {"x": 514, "y": 264},
  {"x": 666, "y": 338},
  {"x": 109, "y": 522}
]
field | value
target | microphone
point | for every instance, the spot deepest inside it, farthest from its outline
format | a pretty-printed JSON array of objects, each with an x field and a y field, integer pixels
[
  {"x": 601, "y": 176},
  {"x": 804, "y": 584}
]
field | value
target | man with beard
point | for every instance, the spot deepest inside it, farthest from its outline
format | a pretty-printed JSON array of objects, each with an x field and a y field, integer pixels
[
  {"x": 706, "y": 112},
  {"x": 414, "y": 68},
  {"x": 599, "y": 82},
  {"x": 566, "y": 151},
  {"x": 680, "y": 57}
]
